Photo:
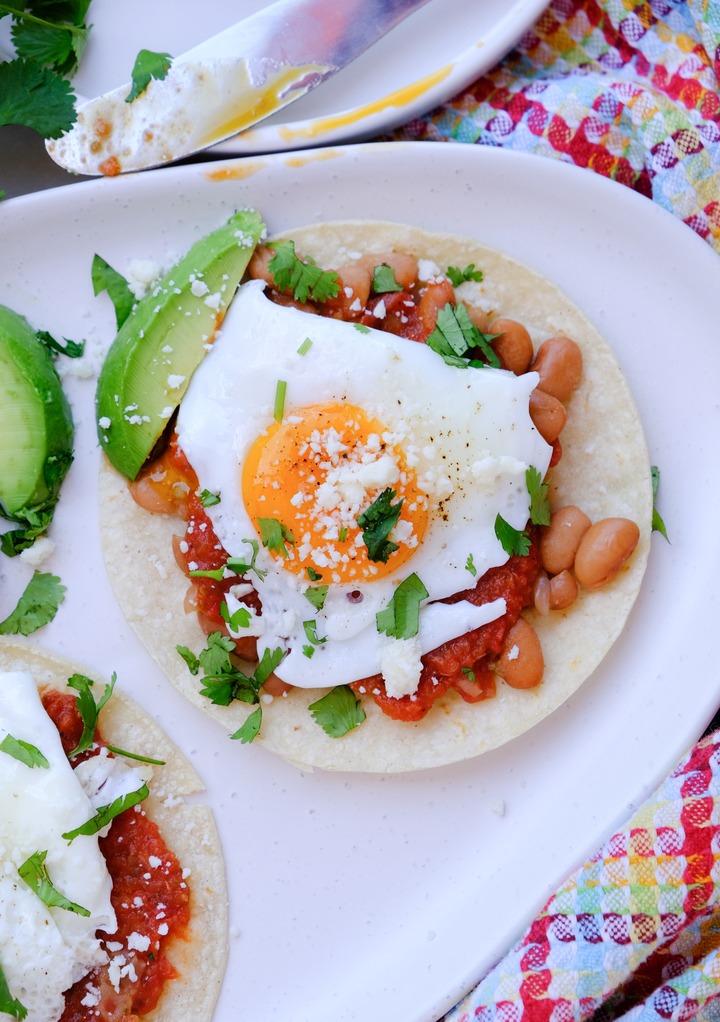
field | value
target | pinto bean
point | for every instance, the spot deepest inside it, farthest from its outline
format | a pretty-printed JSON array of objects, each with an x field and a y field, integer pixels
[
  {"x": 563, "y": 591},
  {"x": 355, "y": 284},
  {"x": 541, "y": 593},
  {"x": 559, "y": 363},
  {"x": 514, "y": 346},
  {"x": 603, "y": 550},
  {"x": 548, "y": 414},
  {"x": 433, "y": 297},
  {"x": 521, "y": 663},
  {"x": 561, "y": 538},
  {"x": 477, "y": 317}
]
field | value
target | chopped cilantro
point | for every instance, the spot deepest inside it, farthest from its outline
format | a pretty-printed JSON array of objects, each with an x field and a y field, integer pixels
[
  {"x": 470, "y": 565},
  {"x": 303, "y": 278},
  {"x": 35, "y": 874},
  {"x": 275, "y": 535},
  {"x": 239, "y": 619},
  {"x": 310, "y": 629},
  {"x": 377, "y": 522},
  {"x": 384, "y": 280},
  {"x": 338, "y": 712},
  {"x": 72, "y": 349},
  {"x": 512, "y": 540},
  {"x": 242, "y": 567},
  {"x": 37, "y": 606},
  {"x": 313, "y": 575},
  {"x": 36, "y": 97},
  {"x": 361, "y": 328},
  {"x": 342, "y": 533},
  {"x": 316, "y": 595},
  {"x": 279, "y": 409},
  {"x": 148, "y": 65},
  {"x": 469, "y": 673},
  {"x": 248, "y": 732},
  {"x": 105, "y": 278},
  {"x": 26, "y": 753},
  {"x": 401, "y": 618},
  {"x": 89, "y": 710},
  {"x": 222, "y": 681},
  {"x": 308, "y": 651},
  {"x": 106, "y": 814},
  {"x": 208, "y": 499},
  {"x": 9, "y": 1004},
  {"x": 455, "y": 336},
  {"x": 305, "y": 347},
  {"x": 216, "y": 573},
  {"x": 658, "y": 525},
  {"x": 456, "y": 276},
  {"x": 538, "y": 492}
]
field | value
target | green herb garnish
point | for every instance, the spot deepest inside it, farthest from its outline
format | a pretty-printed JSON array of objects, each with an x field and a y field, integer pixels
[
  {"x": 208, "y": 499},
  {"x": 105, "y": 278},
  {"x": 72, "y": 349},
  {"x": 470, "y": 565},
  {"x": 538, "y": 492},
  {"x": 89, "y": 710},
  {"x": 310, "y": 629},
  {"x": 658, "y": 525},
  {"x": 377, "y": 522},
  {"x": 250, "y": 729},
  {"x": 8, "y": 1003},
  {"x": 401, "y": 618},
  {"x": 279, "y": 408},
  {"x": 455, "y": 336},
  {"x": 238, "y": 619},
  {"x": 512, "y": 540},
  {"x": 275, "y": 535},
  {"x": 34, "y": 872},
  {"x": 26, "y": 753},
  {"x": 305, "y": 347},
  {"x": 316, "y": 595},
  {"x": 384, "y": 280},
  {"x": 338, "y": 712},
  {"x": 456, "y": 276},
  {"x": 303, "y": 278},
  {"x": 106, "y": 814},
  {"x": 148, "y": 65},
  {"x": 37, "y": 606}
]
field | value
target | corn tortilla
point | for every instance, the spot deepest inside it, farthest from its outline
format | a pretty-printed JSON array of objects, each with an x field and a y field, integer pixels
[
  {"x": 188, "y": 830},
  {"x": 604, "y": 470}
]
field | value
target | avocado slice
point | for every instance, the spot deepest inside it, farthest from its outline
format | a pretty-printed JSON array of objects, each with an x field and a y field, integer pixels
[
  {"x": 161, "y": 343},
  {"x": 36, "y": 431}
]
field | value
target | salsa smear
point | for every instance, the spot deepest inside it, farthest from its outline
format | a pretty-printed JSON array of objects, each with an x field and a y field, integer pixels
[{"x": 149, "y": 894}]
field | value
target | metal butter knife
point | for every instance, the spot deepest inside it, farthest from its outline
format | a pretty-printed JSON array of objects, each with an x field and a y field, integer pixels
[{"x": 226, "y": 84}]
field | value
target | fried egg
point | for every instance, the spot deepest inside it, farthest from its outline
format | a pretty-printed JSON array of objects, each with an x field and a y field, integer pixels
[{"x": 300, "y": 423}]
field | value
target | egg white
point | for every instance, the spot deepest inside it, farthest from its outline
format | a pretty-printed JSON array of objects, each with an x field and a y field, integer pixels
[{"x": 466, "y": 432}]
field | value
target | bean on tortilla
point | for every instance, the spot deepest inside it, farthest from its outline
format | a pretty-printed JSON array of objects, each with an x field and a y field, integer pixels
[
  {"x": 603, "y": 550},
  {"x": 563, "y": 590},
  {"x": 521, "y": 663},
  {"x": 561, "y": 538},
  {"x": 514, "y": 346},
  {"x": 404, "y": 266},
  {"x": 548, "y": 414},
  {"x": 559, "y": 364}
]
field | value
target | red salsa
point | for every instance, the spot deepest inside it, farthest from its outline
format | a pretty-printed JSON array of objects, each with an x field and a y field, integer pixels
[{"x": 150, "y": 897}]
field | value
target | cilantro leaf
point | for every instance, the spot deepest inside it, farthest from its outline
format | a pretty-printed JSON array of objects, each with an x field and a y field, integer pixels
[
  {"x": 377, "y": 522},
  {"x": 456, "y": 276},
  {"x": 401, "y": 618},
  {"x": 73, "y": 349},
  {"x": 8, "y": 1003},
  {"x": 361, "y": 328},
  {"x": 384, "y": 280},
  {"x": 26, "y": 753},
  {"x": 135, "y": 755},
  {"x": 316, "y": 595},
  {"x": 37, "y": 606},
  {"x": 658, "y": 525},
  {"x": 303, "y": 278},
  {"x": 470, "y": 565},
  {"x": 148, "y": 65},
  {"x": 338, "y": 712},
  {"x": 208, "y": 499},
  {"x": 455, "y": 336},
  {"x": 106, "y": 814},
  {"x": 512, "y": 540},
  {"x": 34, "y": 873},
  {"x": 538, "y": 492},
  {"x": 249, "y": 731},
  {"x": 222, "y": 681},
  {"x": 238, "y": 619},
  {"x": 275, "y": 535},
  {"x": 310, "y": 628},
  {"x": 241, "y": 567},
  {"x": 36, "y": 97},
  {"x": 17, "y": 540},
  {"x": 313, "y": 575},
  {"x": 89, "y": 710},
  {"x": 105, "y": 278}
]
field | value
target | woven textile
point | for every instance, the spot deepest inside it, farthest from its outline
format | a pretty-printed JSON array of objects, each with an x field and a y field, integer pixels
[
  {"x": 634, "y": 934},
  {"x": 626, "y": 88}
]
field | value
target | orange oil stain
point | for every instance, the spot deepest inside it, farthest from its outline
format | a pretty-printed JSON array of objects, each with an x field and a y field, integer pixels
[
  {"x": 236, "y": 171},
  {"x": 301, "y": 161},
  {"x": 401, "y": 97}
]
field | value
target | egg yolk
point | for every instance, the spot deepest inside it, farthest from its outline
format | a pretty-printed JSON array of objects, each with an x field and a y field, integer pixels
[{"x": 306, "y": 481}]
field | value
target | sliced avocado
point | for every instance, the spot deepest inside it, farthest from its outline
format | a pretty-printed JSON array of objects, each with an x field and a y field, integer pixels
[
  {"x": 161, "y": 343},
  {"x": 36, "y": 428}
]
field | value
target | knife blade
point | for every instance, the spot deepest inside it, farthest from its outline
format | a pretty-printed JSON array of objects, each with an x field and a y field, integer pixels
[{"x": 226, "y": 84}]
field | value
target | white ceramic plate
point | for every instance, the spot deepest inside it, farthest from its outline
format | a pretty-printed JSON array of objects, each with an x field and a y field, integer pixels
[
  {"x": 385, "y": 897},
  {"x": 427, "y": 59}
]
